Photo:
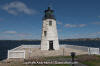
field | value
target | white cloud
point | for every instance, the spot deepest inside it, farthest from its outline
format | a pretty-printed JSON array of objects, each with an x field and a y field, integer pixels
[
  {"x": 24, "y": 34},
  {"x": 18, "y": 7},
  {"x": 74, "y": 25},
  {"x": 98, "y": 33},
  {"x": 96, "y": 23},
  {"x": 6, "y": 37},
  {"x": 59, "y": 30},
  {"x": 95, "y": 34},
  {"x": 15, "y": 36},
  {"x": 59, "y": 23},
  {"x": 9, "y": 32},
  {"x": 98, "y": 16},
  {"x": 82, "y": 25},
  {"x": 70, "y": 25},
  {"x": 1, "y": 19},
  {"x": 16, "y": 33}
]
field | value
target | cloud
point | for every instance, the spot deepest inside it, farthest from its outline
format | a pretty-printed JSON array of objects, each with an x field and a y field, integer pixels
[
  {"x": 95, "y": 34},
  {"x": 74, "y": 25},
  {"x": 6, "y": 37},
  {"x": 24, "y": 34},
  {"x": 16, "y": 33},
  {"x": 70, "y": 25},
  {"x": 9, "y": 32},
  {"x": 59, "y": 23},
  {"x": 1, "y": 19},
  {"x": 98, "y": 32},
  {"x": 82, "y": 25},
  {"x": 59, "y": 30},
  {"x": 96, "y": 23},
  {"x": 18, "y": 7},
  {"x": 98, "y": 16},
  {"x": 15, "y": 36}
]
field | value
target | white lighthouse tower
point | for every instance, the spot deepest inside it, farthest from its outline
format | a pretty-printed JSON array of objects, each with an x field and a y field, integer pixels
[{"x": 49, "y": 39}]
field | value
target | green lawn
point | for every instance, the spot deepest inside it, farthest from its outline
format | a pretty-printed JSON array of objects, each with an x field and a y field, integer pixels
[
  {"x": 89, "y": 60},
  {"x": 92, "y": 60},
  {"x": 92, "y": 63},
  {"x": 34, "y": 65},
  {"x": 52, "y": 65}
]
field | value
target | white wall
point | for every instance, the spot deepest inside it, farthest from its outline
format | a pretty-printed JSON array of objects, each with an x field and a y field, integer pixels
[
  {"x": 94, "y": 51},
  {"x": 51, "y": 35},
  {"x": 16, "y": 54}
]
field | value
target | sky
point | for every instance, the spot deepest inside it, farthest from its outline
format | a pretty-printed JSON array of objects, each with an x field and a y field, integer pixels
[{"x": 22, "y": 19}]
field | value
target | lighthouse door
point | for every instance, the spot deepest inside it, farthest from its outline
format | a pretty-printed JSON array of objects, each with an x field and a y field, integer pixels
[{"x": 51, "y": 45}]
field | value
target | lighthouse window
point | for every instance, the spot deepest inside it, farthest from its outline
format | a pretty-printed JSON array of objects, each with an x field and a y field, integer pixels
[
  {"x": 50, "y": 23},
  {"x": 45, "y": 33}
]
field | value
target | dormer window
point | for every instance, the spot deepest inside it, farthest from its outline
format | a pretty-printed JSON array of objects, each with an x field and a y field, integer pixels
[{"x": 50, "y": 23}]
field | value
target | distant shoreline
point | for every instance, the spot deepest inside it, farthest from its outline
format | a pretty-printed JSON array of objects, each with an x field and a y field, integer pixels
[{"x": 78, "y": 39}]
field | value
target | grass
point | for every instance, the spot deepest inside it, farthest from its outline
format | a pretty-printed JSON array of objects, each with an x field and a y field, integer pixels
[
  {"x": 53, "y": 65},
  {"x": 57, "y": 57},
  {"x": 90, "y": 60},
  {"x": 92, "y": 63},
  {"x": 18, "y": 64}
]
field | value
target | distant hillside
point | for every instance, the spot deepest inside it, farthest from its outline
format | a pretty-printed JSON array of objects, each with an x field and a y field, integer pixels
[
  {"x": 82, "y": 39},
  {"x": 79, "y": 39}
]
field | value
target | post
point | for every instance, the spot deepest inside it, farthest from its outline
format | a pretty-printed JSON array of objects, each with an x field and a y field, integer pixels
[
  {"x": 63, "y": 52},
  {"x": 73, "y": 56}
]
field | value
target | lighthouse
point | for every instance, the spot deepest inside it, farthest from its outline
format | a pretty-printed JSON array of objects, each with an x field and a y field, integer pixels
[{"x": 49, "y": 38}]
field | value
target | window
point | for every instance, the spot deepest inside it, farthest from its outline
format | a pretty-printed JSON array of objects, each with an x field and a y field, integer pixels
[
  {"x": 45, "y": 33},
  {"x": 50, "y": 23}
]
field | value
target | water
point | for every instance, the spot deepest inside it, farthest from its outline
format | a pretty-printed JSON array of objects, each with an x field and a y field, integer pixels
[{"x": 7, "y": 45}]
